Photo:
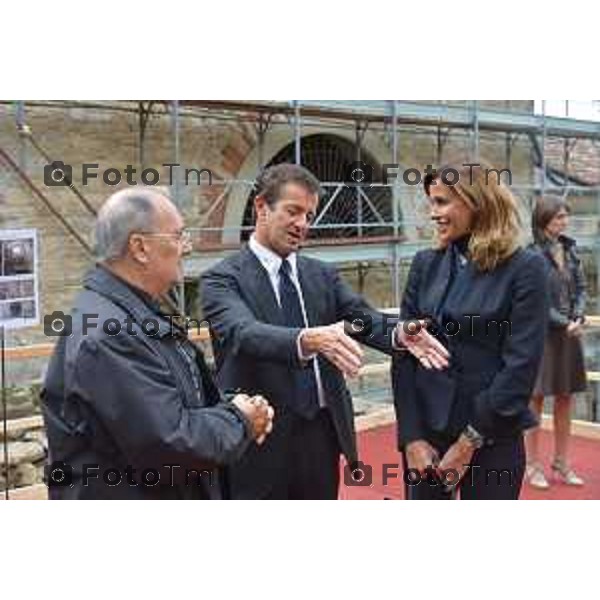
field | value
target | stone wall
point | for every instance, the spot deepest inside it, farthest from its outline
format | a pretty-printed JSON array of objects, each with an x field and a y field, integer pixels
[
  {"x": 27, "y": 452},
  {"x": 577, "y": 158}
]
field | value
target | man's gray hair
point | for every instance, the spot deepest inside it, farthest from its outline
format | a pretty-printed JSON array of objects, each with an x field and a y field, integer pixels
[{"x": 125, "y": 212}]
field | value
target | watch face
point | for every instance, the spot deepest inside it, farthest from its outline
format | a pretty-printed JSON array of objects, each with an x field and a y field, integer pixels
[{"x": 474, "y": 436}]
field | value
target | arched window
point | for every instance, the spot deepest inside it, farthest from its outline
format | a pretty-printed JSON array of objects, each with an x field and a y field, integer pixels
[{"x": 346, "y": 210}]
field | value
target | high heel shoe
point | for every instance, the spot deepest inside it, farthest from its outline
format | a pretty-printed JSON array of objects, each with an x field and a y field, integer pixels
[
  {"x": 565, "y": 474},
  {"x": 535, "y": 476}
]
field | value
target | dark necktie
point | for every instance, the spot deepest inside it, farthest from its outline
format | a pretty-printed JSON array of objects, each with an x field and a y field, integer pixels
[{"x": 306, "y": 401}]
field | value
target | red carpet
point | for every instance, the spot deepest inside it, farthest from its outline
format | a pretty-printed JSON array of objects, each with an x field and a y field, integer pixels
[{"x": 377, "y": 446}]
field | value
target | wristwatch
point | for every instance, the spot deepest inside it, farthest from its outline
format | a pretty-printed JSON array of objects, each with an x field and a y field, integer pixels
[{"x": 473, "y": 436}]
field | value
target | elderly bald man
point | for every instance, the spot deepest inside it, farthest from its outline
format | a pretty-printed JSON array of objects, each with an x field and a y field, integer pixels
[{"x": 130, "y": 407}]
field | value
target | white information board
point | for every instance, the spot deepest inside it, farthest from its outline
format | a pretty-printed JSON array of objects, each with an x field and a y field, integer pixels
[{"x": 19, "y": 299}]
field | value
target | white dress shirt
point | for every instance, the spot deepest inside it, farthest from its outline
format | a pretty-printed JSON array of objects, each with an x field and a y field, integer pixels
[{"x": 272, "y": 263}]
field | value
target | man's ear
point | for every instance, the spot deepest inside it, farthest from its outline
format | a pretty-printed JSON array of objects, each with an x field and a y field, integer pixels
[
  {"x": 260, "y": 208},
  {"x": 137, "y": 249}
]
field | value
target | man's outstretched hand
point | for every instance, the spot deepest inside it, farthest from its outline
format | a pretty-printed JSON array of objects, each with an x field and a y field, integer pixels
[{"x": 335, "y": 345}]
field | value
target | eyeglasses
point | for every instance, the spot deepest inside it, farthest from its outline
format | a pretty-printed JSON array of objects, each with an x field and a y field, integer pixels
[{"x": 183, "y": 237}]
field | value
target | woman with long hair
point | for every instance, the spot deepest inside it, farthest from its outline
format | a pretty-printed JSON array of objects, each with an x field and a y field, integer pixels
[
  {"x": 485, "y": 297},
  {"x": 562, "y": 372}
]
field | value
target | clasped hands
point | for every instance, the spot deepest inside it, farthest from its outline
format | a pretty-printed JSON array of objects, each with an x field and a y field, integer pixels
[
  {"x": 332, "y": 342},
  {"x": 258, "y": 412},
  {"x": 421, "y": 456},
  {"x": 575, "y": 328}
]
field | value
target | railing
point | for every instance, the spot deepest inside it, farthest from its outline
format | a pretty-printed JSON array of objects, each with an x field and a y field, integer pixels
[{"x": 203, "y": 335}]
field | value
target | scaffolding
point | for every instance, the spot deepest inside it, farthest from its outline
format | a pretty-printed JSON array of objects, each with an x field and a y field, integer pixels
[{"x": 373, "y": 230}]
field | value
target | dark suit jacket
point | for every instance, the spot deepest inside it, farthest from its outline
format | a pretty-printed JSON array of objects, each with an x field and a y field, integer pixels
[
  {"x": 493, "y": 366},
  {"x": 255, "y": 352}
]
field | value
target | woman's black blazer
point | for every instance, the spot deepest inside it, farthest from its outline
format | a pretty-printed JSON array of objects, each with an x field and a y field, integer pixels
[{"x": 494, "y": 325}]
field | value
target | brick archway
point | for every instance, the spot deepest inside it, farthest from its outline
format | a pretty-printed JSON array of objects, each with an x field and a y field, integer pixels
[
  {"x": 331, "y": 158},
  {"x": 375, "y": 148}
]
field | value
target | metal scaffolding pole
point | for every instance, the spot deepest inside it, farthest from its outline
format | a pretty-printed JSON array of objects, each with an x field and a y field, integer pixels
[
  {"x": 144, "y": 111},
  {"x": 566, "y": 150},
  {"x": 3, "y": 384},
  {"x": 395, "y": 210},
  {"x": 597, "y": 253},
  {"x": 359, "y": 204},
  {"x": 543, "y": 149},
  {"x": 175, "y": 113},
  {"x": 261, "y": 129},
  {"x": 441, "y": 140},
  {"x": 176, "y": 194},
  {"x": 297, "y": 133},
  {"x": 508, "y": 151},
  {"x": 595, "y": 416},
  {"x": 476, "y": 130},
  {"x": 21, "y": 127},
  {"x": 20, "y": 114}
]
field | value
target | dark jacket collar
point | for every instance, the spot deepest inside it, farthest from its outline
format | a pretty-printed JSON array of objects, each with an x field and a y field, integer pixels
[
  {"x": 140, "y": 305},
  {"x": 462, "y": 244},
  {"x": 565, "y": 240}
]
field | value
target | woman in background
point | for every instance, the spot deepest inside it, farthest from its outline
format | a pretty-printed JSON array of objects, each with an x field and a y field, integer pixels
[{"x": 562, "y": 372}]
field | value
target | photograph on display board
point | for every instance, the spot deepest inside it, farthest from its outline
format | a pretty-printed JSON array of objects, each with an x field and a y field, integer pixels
[{"x": 18, "y": 279}]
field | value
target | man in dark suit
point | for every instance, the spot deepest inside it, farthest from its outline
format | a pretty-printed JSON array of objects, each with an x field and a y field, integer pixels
[{"x": 276, "y": 319}]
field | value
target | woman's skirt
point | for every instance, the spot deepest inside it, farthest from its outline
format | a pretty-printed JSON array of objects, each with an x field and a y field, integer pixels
[{"x": 562, "y": 370}]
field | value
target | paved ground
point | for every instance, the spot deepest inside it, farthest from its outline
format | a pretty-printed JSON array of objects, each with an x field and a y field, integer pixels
[
  {"x": 377, "y": 443},
  {"x": 377, "y": 446}
]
